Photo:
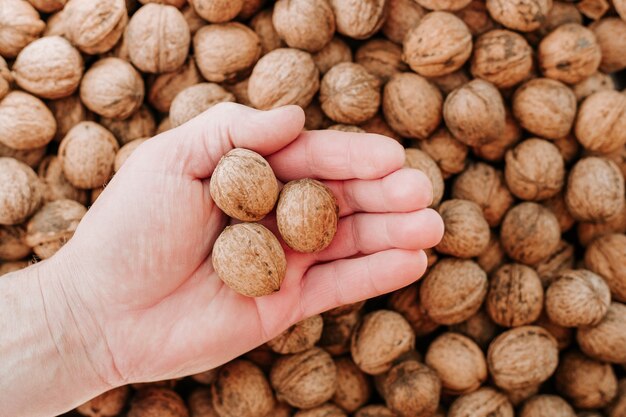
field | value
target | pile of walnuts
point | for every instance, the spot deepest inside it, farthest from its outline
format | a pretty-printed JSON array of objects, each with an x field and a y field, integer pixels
[{"x": 511, "y": 108}]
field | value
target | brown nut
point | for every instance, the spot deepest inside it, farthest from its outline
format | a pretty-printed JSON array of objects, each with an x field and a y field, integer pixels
[
  {"x": 325, "y": 410},
  {"x": 375, "y": 410},
  {"x": 450, "y": 82},
  {"x": 159, "y": 401},
  {"x": 201, "y": 404},
  {"x": 282, "y": 77},
  {"x": 165, "y": 87},
  {"x": 412, "y": 105},
  {"x": 379, "y": 126},
  {"x": 31, "y": 157},
  {"x": 249, "y": 259},
  {"x": 601, "y": 125},
  {"x": 610, "y": 34},
  {"x": 346, "y": 128},
  {"x": 109, "y": 404},
  {"x": 112, "y": 88},
  {"x": 56, "y": 186},
  {"x": 264, "y": 28},
  {"x": 530, "y": 233},
  {"x": 95, "y": 26},
  {"x": 520, "y": 15},
  {"x": 515, "y": 296},
  {"x": 226, "y": 52},
  {"x": 569, "y": 148},
  {"x": 561, "y": 260},
  {"x": 381, "y": 58},
  {"x": 403, "y": 15},
  {"x": 447, "y": 5},
  {"x": 495, "y": 150},
  {"x": 20, "y": 192},
  {"x": 562, "y": 335},
  {"x": 522, "y": 357},
  {"x": 418, "y": 159},
  {"x": 588, "y": 231},
  {"x": 299, "y": 337},
  {"x": 349, "y": 94},
  {"x": 12, "y": 244},
  {"x": 338, "y": 330},
  {"x": 480, "y": 328},
  {"x": 140, "y": 125},
  {"x": 125, "y": 152},
  {"x": 217, "y": 11},
  {"x": 353, "y": 387},
  {"x": 447, "y": 151},
  {"x": 466, "y": 230},
  {"x": 593, "y": 84},
  {"x": 557, "y": 205},
  {"x": 6, "y": 79},
  {"x": 241, "y": 389},
  {"x": 485, "y": 402},
  {"x": 335, "y": 52},
  {"x": 8, "y": 267},
  {"x": 618, "y": 407},
  {"x": 606, "y": 256},
  {"x": 411, "y": 389},
  {"x": 475, "y": 113},
  {"x": 240, "y": 91},
  {"x": 359, "y": 19},
  {"x": 406, "y": 302},
  {"x": 381, "y": 338},
  {"x": 606, "y": 341},
  {"x": 476, "y": 17},
  {"x": 569, "y": 54},
  {"x": 26, "y": 122},
  {"x": 304, "y": 24},
  {"x": 547, "y": 406},
  {"x": 438, "y": 45},
  {"x": 195, "y": 100},
  {"x": 87, "y": 154},
  {"x": 20, "y": 25},
  {"x": 158, "y": 38},
  {"x": 453, "y": 290},
  {"x": 493, "y": 257},
  {"x": 305, "y": 380},
  {"x": 307, "y": 215},
  {"x": 68, "y": 112}
]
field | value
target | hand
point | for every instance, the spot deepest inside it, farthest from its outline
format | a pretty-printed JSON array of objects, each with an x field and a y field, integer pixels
[{"x": 141, "y": 278}]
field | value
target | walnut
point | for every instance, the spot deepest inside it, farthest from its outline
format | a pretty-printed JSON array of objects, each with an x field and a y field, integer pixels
[
  {"x": 164, "y": 126},
  {"x": 55, "y": 25},
  {"x": 453, "y": 290},
  {"x": 557, "y": 205},
  {"x": 282, "y": 77},
  {"x": 484, "y": 185},
  {"x": 480, "y": 328},
  {"x": 264, "y": 28},
  {"x": 417, "y": 159},
  {"x": 595, "y": 83},
  {"x": 446, "y": 150},
  {"x": 403, "y": 15},
  {"x": 379, "y": 126},
  {"x": 547, "y": 406},
  {"x": 240, "y": 91},
  {"x": 31, "y": 157},
  {"x": 195, "y": 100},
  {"x": 522, "y": 357},
  {"x": 241, "y": 389},
  {"x": 406, "y": 302},
  {"x": 475, "y": 113},
  {"x": 306, "y": 379},
  {"x": 125, "y": 151},
  {"x": 48, "y": 6},
  {"x": 375, "y": 410},
  {"x": 438, "y": 45},
  {"x": 515, "y": 296},
  {"x": 359, "y": 19},
  {"x": 26, "y": 122},
  {"x": 476, "y": 17},
  {"x": 520, "y": 15},
  {"x": 194, "y": 21},
  {"x": 325, "y": 410},
  {"x": 606, "y": 256},
  {"x": 164, "y": 88},
  {"x": 201, "y": 404},
  {"x": 411, "y": 389},
  {"x": 109, "y": 404},
  {"x": 346, "y": 128},
  {"x": 412, "y": 105},
  {"x": 21, "y": 192},
  {"x": 68, "y": 112},
  {"x": 315, "y": 119},
  {"x": 466, "y": 230},
  {"x": 618, "y": 407},
  {"x": 262, "y": 356},
  {"x": 601, "y": 123},
  {"x": 335, "y": 52},
  {"x": 589, "y": 231},
  {"x": 593, "y": 9},
  {"x": 560, "y": 14},
  {"x": 20, "y": 25},
  {"x": 569, "y": 147},
  {"x": 450, "y": 82},
  {"x": 493, "y": 257},
  {"x": 485, "y": 402},
  {"x": 206, "y": 377},
  {"x": 562, "y": 335},
  {"x": 519, "y": 395},
  {"x": 95, "y": 26},
  {"x": 157, "y": 401},
  {"x": 56, "y": 186},
  {"x": 6, "y": 79},
  {"x": 494, "y": 151},
  {"x": 140, "y": 125},
  {"x": 304, "y": 24},
  {"x": 561, "y": 260},
  {"x": 250, "y": 8},
  {"x": 12, "y": 244},
  {"x": 299, "y": 337},
  {"x": 605, "y": 340},
  {"x": 381, "y": 58},
  {"x": 610, "y": 35},
  {"x": 353, "y": 387},
  {"x": 338, "y": 330},
  {"x": 217, "y": 11}
]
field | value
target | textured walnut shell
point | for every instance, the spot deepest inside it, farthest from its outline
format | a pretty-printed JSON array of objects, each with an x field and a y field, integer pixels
[
  {"x": 307, "y": 215},
  {"x": 49, "y": 67},
  {"x": 68, "y": 112},
  {"x": 570, "y": 53},
  {"x": 304, "y": 24},
  {"x": 520, "y": 15},
  {"x": 20, "y": 191},
  {"x": 606, "y": 256},
  {"x": 480, "y": 328},
  {"x": 338, "y": 330},
  {"x": 201, "y": 404},
  {"x": 610, "y": 35},
  {"x": 325, "y": 410},
  {"x": 315, "y": 119},
  {"x": 57, "y": 187},
  {"x": 140, "y": 125},
  {"x": 158, "y": 38},
  {"x": 381, "y": 58},
  {"x": 601, "y": 123},
  {"x": 530, "y": 233},
  {"x": 606, "y": 341},
  {"x": 595, "y": 190},
  {"x": 494, "y": 151},
  {"x": 109, "y": 404},
  {"x": 547, "y": 406},
  {"x": 453, "y": 290},
  {"x": 562, "y": 335},
  {"x": 381, "y": 338},
  {"x": 195, "y": 100},
  {"x": 206, "y": 377},
  {"x": 493, "y": 257},
  {"x": 335, "y": 52},
  {"x": 217, "y": 11},
  {"x": 306, "y": 379},
  {"x": 112, "y": 88},
  {"x": 406, "y": 302},
  {"x": 438, "y": 45},
  {"x": 557, "y": 205},
  {"x": 484, "y": 185},
  {"x": 446, "y": 150},
  {"x": 459, "y": 363},
  {"x": 593, "y": 84},
  {"x": 250, "y": 8},
  {"x": 26, "y": 122},
  {"x": 403, "y": 15},
  {"x": 586, "y": 383},
  {"x": 12, "y": 244},
  {"x": 282, "y": 77},
  {"x": 264, "y": 28},
  {"x": 412, "y": 389},
  {"x": 475, "y": 113},
  {"x": 349, "y": 93},
  {"x": 485, "y": 402},
  {"x": 31, "y": 157},
  {"x": 157, "y": 401},
  {"x": 240, "y": 91},
  {"x": 125, "y": 152},
  {"x": 522, "y": 357},
  {"x": 359, "y": 19},
  {"x": 165, "y": 87},
  {"x": 618, "y": 407},
  {"x": 20, "y": 24},
  {"x": 466, "y": 230},
  {"x": 95, "y": 26},
  {"x": 299, "y": 337},
  {"x": 569, "y": 148},
  {"x": 379, "y": 126},
  {"x": 87, "y": 154},
  {"x": 412, "y": 105},
  {"x": 450, "y": 82},
  {"x": 250, "y": 260},
  {"x": 6, "y": 79},
  {"x": 502, "y": 57},
  {"x": 560, "y": 14},
  {"x": 476, "y": 17},
  {"x": 515, "y": 296},
  {"x": 353, "y": 387},
  {"x": 561, "y": 260},
  {"x": 418, "y": 159},
  {"x": 226, "y": 52},
  {"x": 241, "y": 389}
]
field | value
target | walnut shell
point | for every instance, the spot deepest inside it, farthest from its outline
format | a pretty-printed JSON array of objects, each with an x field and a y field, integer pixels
[
  {"x": 299, "y": 337},
  {"x": 55, "y": 25},
  {"x": 335, "y": 52},
  {"x": 353, "y": 387},
  {"x": 95, "y": 26},
  {"x": 158, "y": 38},
  {"x": 381, "y": 338},
  {"x": 21, "y": 191},
  {"x": 406, "y": 302},
  {"x": 446, "y": 150},
  {"x": 601, "y": 123},
  {"x": 418, "y": 159},
  {"x": 140, "y": 125},
  {"x": 412, "y": 105},
  {"x": 494, "y": 151},
  {"x": 595, "y": 190},
  {"x": 561, "y": 260},
  {"x": 610, "y": 35},
  {"x": 476, "y": 17},
  {"x": 502, "y": 57},
  {"x": 315, "y": 119},
  {"x": 338, "y": 330},
  {"x": 305, "y": 380},
  {"x": 606, "y": 256},
  {"x": 359, "y": 19},
  {"x": 557, "y": 205},
  {"x": 112, "y": 88},
  {"x": 346, "y": 128},
  {"x": 403, "y": 15},
  {"x": 466, "y": 230},
  {"x": 157, "y": 401},
  {"x": 240, "y": 91},
  {"x": 570, "y": 53},
  {"x": 560, "y": 14},
  {"x": 588, "y": 231},
  {"x": 109, "y": 404},
  {"x": 480, "y": 328},
  {"x": 125, "y": 151},
  {"x": 593, "y": 84},
  {"x": 453, "y": 290},
  {"x": 520, "y": 15},
  {"x": 264, "y": 28},
  {"x": 547, "y": 406},
  {"x": 375, "y": 410},
  {"x": 307, "y": 215},
  {"x": 165, "y": 87},
  {"x": 484, "y": 185},
  {"x": 438, "y": 45},
  {"x": 349, "y": 93},
  {"x": 618, "y": 407},
  {"x": 412, "y": 389},
  {"x": 6, "y": 79},
  {"x": 381, "y": 58},
  {"x": 87, "y": 154},
  {"x": 475, "y": 113},
  {"x": 201, "y": 404},
  {"x": 304, "y": 24},
  {"x": 250, "y": 260},
  {"x": 606, "y": 341},
  {"x": 450, "y": 82},
  {"x": 459, "y": 363},
  {"x": 562, "y": 335},
  {"x": 522, "y": 357},
  {"x": 493, "y": 257},
  {"x": 485, "y": 402},
  {"x": 206, "y": 377},
  {"x": 379, "y": 126},
  {"x": 68, "y": 112},
  {"x": 325, "y": 410},
  {"x": 12, "y": 244},
  {"x": 195, "y": 100},
  {"x": 226, "y": 52},
  {"x": 31, "y": 157},
  {"x": 569, "y": 148},
  {"x": 20, "y": 25},
  {"x": 515, "y": 296},
  {"x": 250, "y": 8},
  {"x": 57, "y": 187},
  {"x": 241, "y": 389},
  {"x": 217, "y": 11},
  {"x": 586, "y": 383},
  {"x": 282, "y": 77},
  {"x": 26, "y": 122},
  {"x": 530, "y": 233}
]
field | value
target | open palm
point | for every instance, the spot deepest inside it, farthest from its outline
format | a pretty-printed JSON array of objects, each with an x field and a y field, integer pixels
[{"x": 142, "y": 253}]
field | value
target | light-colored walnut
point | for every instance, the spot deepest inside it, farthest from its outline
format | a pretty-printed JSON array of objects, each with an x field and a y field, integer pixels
[
  {"x": 68, "y": 112},
  {"x": 125, "y": 151},
  {"x": 610, "y": 34},
  {"x": 21, "y": 191},
  {"x": 560, "y": 14},
  {"x": 250, "y": 8},
  {"x": 241, "y": 389},
  {"x": 381, "y": 58},
  {"x": 480, "y": 328},
  {"x": 200, "y": 403},
  {"x": 476, "y": 17},
  {"x": 31, "y": 157},
  {"x": 557, "y": 205},
  {"x": 485, "y": 402},
  {"x": 217, "y": 11},
  {"x": 195, "y": 100},
  {"x": 26, "y": 122},
  {"x": 159, "y": 401},
  {"x": 601, "y": 123},
  {"x": 588, "y": 231},
  {"x": 515, "y": 296},
  {"x": 447, "y": 151},
  {"x": 375, "y": 410},
  {"x": 493, "y": 257},
  {"x": 20, "y": 24},
  {"x": 240, "y": 91},
  {"x": 606, "y": 256},
  {"x": 164, "y": 88},
  {"x": 304, "y": 24},
  {"x": 411, "y": 389},
  {"x": 520, "y": 15},
  {"x": 407, "y": 302},
  {"x": 324, "y": 410},
  {"x": 337, "y": 332},
  {"x": 494, "y": 151},
  {"x": 547, "y": 406},
  {"x": 140, "y": 125},
  {"x": 335, "y": 52},
  {"x": 563, "y": 335},
  {"x": 359, "y": 19},
  {"x": 56, "y": 186},
  {"x": 353, "y": 387},
  {"x": 606, "y": 341},
  {"x": 562, "y": 259},
  {"x": 466, "y": 230},
  {"x": 95, "y": 26},
  {"x": 299, "y": 337},
  {"x": 595, "y": 83},
  {"x": 418, "y": 159},
  {"x": 593, "y": 9},
  {"x": 264, "y": 28}
]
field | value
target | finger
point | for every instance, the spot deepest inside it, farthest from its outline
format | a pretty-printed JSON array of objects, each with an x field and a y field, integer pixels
[
  {"x": 347, "y": 281},
  {"x": 401, "y": 191},
  {"x": 335, "y": 155}
]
